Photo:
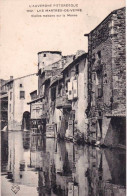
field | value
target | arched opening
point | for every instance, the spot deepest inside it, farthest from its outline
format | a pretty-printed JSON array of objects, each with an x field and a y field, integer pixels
[{"x": 26, "y": 120}]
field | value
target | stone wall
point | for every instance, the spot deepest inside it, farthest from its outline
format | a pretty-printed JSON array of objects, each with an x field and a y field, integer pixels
[
  {"x": 106, "y": 75},
  {"x": 119, "y": 62},
  {"x": 107, "y": 52}
]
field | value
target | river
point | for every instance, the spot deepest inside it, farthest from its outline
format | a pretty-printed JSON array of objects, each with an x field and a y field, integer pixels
[{"x": 39, "y": 166}]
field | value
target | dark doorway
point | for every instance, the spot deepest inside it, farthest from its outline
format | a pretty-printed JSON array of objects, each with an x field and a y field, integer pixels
[
  {"x": 26, "y": 120},
  {"x": 100, "y": 126}
]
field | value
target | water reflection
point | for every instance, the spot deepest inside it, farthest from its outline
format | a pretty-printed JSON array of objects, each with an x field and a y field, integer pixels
[{"x": 60, "y": 168}]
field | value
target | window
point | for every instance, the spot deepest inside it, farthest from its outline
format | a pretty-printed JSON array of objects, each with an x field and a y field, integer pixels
[
  {"x": 37, "y": 110},
  {"x": 10, "y": 107},
  {"x": 99, "y": 83},
  {"x": 69, "y": 92},
  {"x": 66, "y": 87},
  {"x": 10, "y": 95},
  {"x": 10, "y": 85},
  {"x": 53, "y": 94},
  {"x": 20, "y": 85},
  {"x": 74, "y": 91},
  {"x": 60, "y": 90},
  {"x": 44, "y": 55},
  {"x": 100, "y": 92},
  {"x": 99, "y": 54},
  {"x": 77, "y": 69},
  {"x": 22, "y": 94},
  {"x": 99, "y": 113}
]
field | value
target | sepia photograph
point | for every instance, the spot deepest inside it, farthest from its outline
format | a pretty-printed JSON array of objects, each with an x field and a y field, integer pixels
[{"x": 63, "y": 97}]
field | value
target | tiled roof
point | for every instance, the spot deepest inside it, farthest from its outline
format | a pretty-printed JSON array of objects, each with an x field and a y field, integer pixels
[{"x": 35, "y": 100}]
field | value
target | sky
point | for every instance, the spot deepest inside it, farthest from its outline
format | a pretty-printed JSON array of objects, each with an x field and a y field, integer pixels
[{"x": 22, "y": 36}]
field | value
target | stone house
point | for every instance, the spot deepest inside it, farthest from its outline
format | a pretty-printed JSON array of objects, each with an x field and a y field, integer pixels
[
  {"x": 18, "y": 96},
  {"x": 72, "y": 99},
  {"x": 106, "y": 81}
]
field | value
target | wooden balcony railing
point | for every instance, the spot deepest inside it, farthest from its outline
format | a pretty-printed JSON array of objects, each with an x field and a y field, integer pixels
[
  {"x": 59, "y": 102},
  {"x": 62, "y": 102}
]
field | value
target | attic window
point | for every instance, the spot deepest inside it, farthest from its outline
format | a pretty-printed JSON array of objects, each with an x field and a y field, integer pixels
[
  {"x": 44, "y": 55},
  {"x": 99, "y": 54},
  {"x": 77, "y": 69}
]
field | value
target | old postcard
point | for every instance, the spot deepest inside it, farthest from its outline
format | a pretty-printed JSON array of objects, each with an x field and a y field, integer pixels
[{"x": 62, "y": 97}]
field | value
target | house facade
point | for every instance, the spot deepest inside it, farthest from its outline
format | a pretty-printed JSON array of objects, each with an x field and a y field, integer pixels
[
  {"x": 18, "y": 95},
  {"x": 75, "y": 97},
  {"x": 106, "y": 81}
]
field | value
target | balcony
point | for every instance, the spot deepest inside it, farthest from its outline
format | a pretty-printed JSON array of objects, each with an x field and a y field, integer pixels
[
  {"x": 66, "y": 103},
  {"x": 62, "y": 102},
  {"x": 59, "y": 102}
]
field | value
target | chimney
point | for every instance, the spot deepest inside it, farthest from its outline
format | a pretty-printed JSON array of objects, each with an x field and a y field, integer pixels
[{"x": 11, "y": 77}]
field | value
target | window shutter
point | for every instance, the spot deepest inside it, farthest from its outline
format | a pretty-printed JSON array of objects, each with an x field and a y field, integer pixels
[
  {"x": 70, "y": 95},
  {"x": 75, "y": 90}
]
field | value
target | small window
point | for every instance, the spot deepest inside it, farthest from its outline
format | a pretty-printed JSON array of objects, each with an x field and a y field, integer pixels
[
  {"x": 10, "y": 108},
  {"x": 77, "y": 69},
  {"x": 60, "y": 90},
  {"x": 10, "y": 95},
  {"x": 99, "y": 113},
  {"x": 22, "y": 94},
  {"x": 69, "y": 92},
  {"x": 20, "y": 85},
  {"x": 100, "y": 92},
  {"x": 99, "y": 54},
  {"x": 53, "y": 94},
  {"x": 44, "y": 55}
]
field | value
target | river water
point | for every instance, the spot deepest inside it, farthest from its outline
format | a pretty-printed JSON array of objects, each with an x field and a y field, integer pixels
[{"x": 34, "y": 165}]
